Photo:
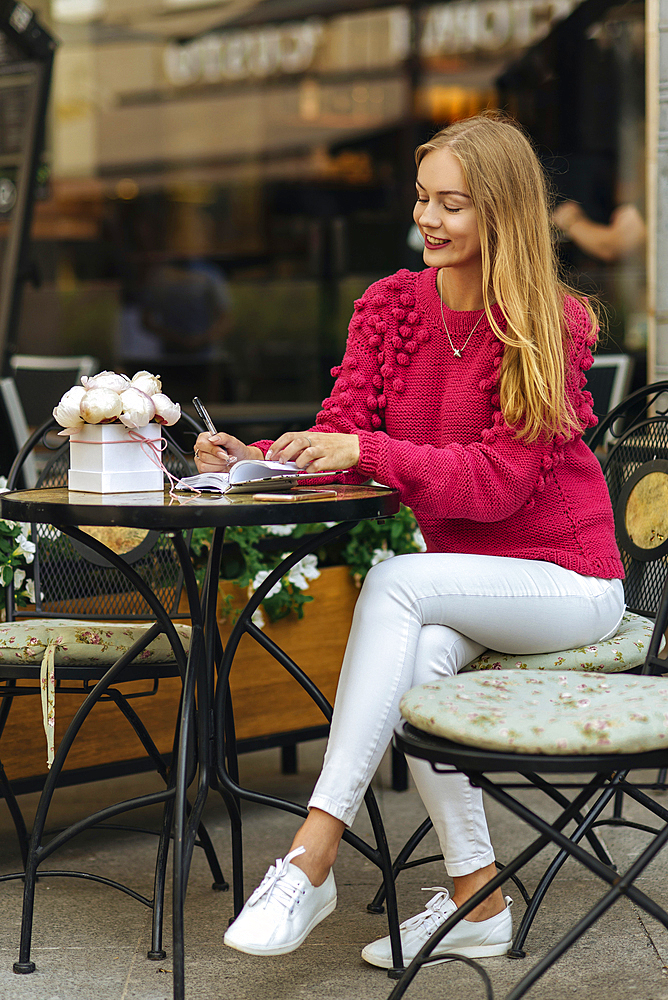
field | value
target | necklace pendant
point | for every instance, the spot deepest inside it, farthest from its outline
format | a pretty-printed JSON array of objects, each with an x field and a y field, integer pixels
[{"x": 456, "y": 353}]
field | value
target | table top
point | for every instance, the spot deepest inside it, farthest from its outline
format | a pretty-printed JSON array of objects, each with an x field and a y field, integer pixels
[{"x": 60, "y": 506}]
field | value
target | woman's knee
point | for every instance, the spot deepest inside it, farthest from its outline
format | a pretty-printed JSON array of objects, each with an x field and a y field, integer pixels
[{"x": 442, "y": 652}]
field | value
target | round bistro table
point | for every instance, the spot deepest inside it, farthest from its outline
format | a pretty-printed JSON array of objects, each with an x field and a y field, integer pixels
[{"x": 210, "y": 739}]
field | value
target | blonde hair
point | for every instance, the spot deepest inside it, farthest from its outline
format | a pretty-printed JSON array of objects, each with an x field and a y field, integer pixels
[{"x": 508, "y": 189}]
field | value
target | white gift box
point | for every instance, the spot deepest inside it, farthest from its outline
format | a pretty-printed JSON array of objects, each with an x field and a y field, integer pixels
[{"x": 105, "y": 458}]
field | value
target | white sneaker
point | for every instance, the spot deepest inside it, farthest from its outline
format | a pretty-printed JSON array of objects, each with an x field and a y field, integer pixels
[
  {"x": 282, "y": 911},
  {"x": 472, "y": 938}
]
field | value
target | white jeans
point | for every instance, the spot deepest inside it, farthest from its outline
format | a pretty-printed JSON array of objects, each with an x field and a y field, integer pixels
[{"x": 423, "y": 617}]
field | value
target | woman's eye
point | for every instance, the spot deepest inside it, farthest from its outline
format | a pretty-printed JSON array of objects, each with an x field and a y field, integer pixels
[
  {"x": 453, "y": 210},
  {"x": 423, "y": 201}
]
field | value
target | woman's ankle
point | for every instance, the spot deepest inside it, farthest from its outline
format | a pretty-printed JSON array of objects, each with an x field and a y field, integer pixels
[
  {"x": 466, "y": 886},
  {"x": 320, "y": 836}
]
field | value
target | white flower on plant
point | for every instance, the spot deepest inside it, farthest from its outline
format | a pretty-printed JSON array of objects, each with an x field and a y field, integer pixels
[
  {"x": 418, "y": 541},
  {"x": 25, "y": 546},
  {"x": 257, "y": 618},
  {"x": 137, "y": 407},
  {"x": 19, "y": 577},
  {"x": 150, "y": 384},
  {"x": 100, "y": 405},
  {"x": 303, "y": 571},
  {"x": 105, "y": 380},
  {"x": 380, "y": 555},
  {"x": 68, "y": 411},
  {"x": 166, "y": 412},
  {"x": 259, "y": 579},
  {"x": 30, "y": 590},
  {"x": 280, "y": 529}
]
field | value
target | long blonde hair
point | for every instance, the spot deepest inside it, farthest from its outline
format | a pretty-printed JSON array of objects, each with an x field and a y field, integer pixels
[{"x": 509, "y": 193}]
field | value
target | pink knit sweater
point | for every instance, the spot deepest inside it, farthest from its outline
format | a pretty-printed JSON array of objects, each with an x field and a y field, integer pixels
[{"x": 430, "y": 426}]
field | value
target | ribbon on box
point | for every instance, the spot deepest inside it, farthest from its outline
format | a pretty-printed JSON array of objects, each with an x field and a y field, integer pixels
[{"x": 153, "y": 449}]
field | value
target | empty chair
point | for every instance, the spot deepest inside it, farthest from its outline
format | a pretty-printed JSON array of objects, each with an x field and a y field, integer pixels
[{"x": 91, "y": 622}]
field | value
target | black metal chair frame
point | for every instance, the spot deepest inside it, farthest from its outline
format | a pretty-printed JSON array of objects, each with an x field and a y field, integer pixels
[
  {"x": 613, "y": 433},
  {"x": 609, "y": 779},
  {"x": 99, "y": 683}
]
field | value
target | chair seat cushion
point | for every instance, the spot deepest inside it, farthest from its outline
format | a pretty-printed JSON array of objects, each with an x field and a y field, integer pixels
[
  {"x": 77, "y": 642},
  {"x": 627, "y": 649},
  {"x": 63, "y": 642},
  {"x": 544, "y": 712}
]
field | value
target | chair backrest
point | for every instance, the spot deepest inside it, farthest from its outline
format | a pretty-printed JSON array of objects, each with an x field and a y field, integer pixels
[
  {"x": 41, "y": 381},
  {"x": 608, "y": 380},
  {"x": 15, "y": 433},
  {"x": 632, "y": 445},
  {"x": 73, "y": 581}
]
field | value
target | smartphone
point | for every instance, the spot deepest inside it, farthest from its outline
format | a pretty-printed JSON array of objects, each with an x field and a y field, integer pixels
[{"x": 293, "y": 497}]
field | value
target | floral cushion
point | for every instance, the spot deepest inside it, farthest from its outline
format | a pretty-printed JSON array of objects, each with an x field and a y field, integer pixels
[
  {"x": 54, "y": 642},
  {"x": 627, "y": 649},
  {"x": 544, "y": 712}
]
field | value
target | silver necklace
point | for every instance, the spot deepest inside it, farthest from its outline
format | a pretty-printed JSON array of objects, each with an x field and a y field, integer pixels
[{"x": 458, "y": 351}]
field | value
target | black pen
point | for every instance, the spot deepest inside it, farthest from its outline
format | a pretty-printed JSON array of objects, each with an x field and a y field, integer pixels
[{"x": 203, "y": 413}]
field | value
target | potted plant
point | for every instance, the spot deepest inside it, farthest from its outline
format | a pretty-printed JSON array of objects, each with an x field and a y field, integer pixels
[{"x": 16, "y": 554}]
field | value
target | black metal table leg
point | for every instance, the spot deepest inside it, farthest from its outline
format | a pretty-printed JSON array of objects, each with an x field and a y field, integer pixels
[{"x": 226, "y": 760}]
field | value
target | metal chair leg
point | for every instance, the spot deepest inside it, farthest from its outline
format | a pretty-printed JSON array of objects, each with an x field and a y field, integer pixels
[
  {"x": 156, "y": 952},
  {"x": 17, "y": 816}
]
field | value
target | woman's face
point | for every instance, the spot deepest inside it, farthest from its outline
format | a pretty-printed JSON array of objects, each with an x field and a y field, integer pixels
[{"x": 444, "y": 213}]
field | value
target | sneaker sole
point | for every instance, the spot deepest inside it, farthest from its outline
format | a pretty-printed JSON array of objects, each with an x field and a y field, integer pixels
[
  {"x": 286, "y": 948},
  {"x": 483, "y": 951}
]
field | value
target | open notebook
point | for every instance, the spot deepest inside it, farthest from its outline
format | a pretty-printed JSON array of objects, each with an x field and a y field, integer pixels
[{"x": 249, "y": 476}]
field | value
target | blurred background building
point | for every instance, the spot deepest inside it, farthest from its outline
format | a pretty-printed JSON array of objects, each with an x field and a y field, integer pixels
[{"x": 223, "y": 177}]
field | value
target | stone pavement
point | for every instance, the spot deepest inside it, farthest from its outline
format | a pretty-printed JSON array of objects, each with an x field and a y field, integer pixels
[{"x": 90, "y": 941}]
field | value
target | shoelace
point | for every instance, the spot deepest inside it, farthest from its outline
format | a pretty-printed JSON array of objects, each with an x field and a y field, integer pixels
[
  {"x": 274, "y": 885},
  {"x": 433, "y": 914}
]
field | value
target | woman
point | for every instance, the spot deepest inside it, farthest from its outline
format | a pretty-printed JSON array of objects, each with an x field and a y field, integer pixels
[{"x": 461, "y": 387}]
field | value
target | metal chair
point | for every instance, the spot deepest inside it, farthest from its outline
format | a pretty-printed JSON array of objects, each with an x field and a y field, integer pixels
[
  {"x": 76, "y": 587},
  {"x": 40, "y": 379},
  {"x": 595, "y": 729},
  {"x": 631, "y": 443}
]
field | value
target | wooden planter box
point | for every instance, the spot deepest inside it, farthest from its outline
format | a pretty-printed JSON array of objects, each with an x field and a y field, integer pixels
[{"x": 267, "y": 702}]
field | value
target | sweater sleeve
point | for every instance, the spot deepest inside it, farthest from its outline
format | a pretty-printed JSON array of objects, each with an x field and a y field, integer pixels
[{"x": 485, "y": 481}]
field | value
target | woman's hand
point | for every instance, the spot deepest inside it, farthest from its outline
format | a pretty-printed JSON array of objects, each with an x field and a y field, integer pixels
[
  {"x": 316, "y": 451},
  {"x": 217, "y": 452}
]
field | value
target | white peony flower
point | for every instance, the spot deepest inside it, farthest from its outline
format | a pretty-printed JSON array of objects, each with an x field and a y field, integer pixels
[
  {"x": 260, "y": 577},
  {"x": 137, "y": 407},
  {"x": 100, "y": 406},
  {"x": 68, "y": 411},
  {"x": 106, "y": 380},
  {"x": 150, "y": 384},
  {"x": 166, "y": 412},
  {"x": 380, "y": 555}
]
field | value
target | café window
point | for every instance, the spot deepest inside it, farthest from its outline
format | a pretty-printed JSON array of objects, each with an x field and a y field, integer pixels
[{"x": 222, "y": 195}]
